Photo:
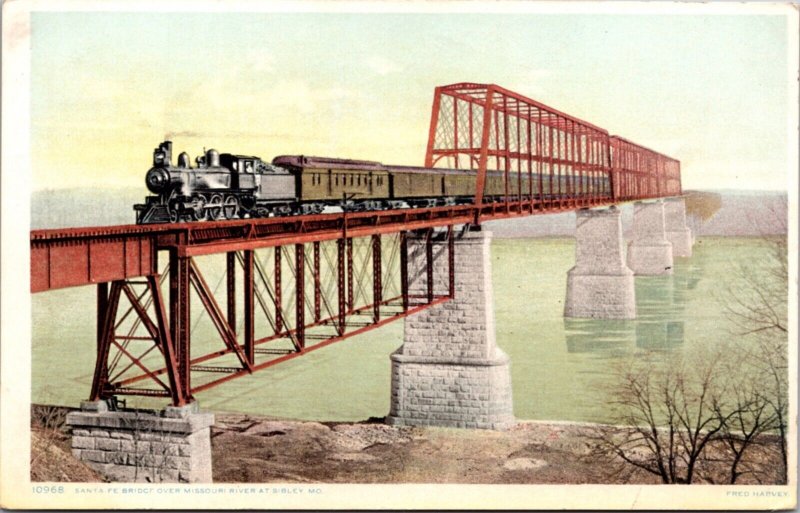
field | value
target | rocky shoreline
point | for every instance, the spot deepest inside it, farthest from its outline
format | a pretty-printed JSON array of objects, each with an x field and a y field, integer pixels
[{"x": 257, "y": 449}]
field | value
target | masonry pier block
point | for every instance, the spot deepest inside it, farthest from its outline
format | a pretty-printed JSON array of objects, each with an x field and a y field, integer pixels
[
  {"x": 677, "y": 232},
  {"x": 449, "y": 371},
  {"x": 130, "y": 446},
  {"x": 649, "y": 253},
  {"x": 600, "y": 286}
]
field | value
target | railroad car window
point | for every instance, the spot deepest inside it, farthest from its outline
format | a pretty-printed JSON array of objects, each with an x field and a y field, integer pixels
[
  {"x": 337, "y": 180},
  {"x": 248, "y": 166},
  {"x": 359, "y": 179}
]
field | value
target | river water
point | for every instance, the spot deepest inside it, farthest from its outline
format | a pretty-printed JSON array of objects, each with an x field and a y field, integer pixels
[{"x": 560, "y": 367}]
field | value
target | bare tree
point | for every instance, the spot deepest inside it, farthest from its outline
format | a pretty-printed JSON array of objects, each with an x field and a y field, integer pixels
[
  {"x": 715, "y": 417},
  {"x": 757, "y": 304},
  {"x": 693, "y": 418},
  {"x": 757, "y": 299},
  {"x": 760, "y": 399},
  {"x": 743, "y": 425},
  {"x": 669, "y": 414}
]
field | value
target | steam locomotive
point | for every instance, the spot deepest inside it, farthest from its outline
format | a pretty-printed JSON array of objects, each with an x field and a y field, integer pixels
[{"x": 227, "y": 186}]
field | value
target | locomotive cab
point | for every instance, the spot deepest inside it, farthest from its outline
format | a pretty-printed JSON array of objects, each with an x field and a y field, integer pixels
[{"x": 242, "y": 170}]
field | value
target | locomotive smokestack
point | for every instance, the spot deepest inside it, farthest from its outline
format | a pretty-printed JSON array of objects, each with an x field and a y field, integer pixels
[{"x": 162, "y": 156}]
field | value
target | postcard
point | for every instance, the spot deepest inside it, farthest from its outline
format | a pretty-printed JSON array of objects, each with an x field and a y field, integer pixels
[{"x": 399, "y": 255}]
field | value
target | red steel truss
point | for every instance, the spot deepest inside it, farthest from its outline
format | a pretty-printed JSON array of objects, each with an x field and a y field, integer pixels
[
  {"x": 296, "y": 284},
  {"x": 641, "y": 173},
  {"x": 280, "y": 303},
  {"x": 546, "y": 157}
]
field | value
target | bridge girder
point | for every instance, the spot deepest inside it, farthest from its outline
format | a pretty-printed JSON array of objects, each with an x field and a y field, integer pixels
[{"x": 355, "y": 285}]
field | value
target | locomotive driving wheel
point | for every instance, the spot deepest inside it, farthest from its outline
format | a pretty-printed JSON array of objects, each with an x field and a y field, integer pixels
[
  {"x": 172, "y": 211},
  {"x": 231, "y": 207},
  {"x": 199, "y": 212},
  {"x": 214, "y": 207}
]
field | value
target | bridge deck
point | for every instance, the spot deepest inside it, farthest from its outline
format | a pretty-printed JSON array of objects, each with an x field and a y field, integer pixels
[{"x": 84, "y": 256}]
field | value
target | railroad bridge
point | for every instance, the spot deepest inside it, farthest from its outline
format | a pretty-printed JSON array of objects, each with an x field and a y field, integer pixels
[{"x": 296, "y": 284}]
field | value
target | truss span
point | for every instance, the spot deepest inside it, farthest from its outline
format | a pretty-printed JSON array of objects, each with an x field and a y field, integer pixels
[{"x": 298, "y": 283}]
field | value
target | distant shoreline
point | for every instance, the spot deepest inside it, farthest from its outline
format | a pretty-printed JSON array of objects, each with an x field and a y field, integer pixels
[{"x": 740, "y": 213}]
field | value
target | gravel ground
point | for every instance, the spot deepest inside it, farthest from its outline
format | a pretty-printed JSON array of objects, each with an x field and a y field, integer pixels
[{"x": 249, "y": 449}]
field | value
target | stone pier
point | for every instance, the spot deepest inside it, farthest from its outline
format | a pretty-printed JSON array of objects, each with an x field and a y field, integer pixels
[
  {"x": 600, "y": 286},
  {"x": 677, "y": 232},
  {"x": 649, "y": 253},
  {"x": 449, "y": 372},
  {"x": 129, "y": 446}
]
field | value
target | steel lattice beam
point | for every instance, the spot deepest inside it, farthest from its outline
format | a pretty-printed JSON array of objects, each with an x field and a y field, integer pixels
[{"x": 359, "y": 262}]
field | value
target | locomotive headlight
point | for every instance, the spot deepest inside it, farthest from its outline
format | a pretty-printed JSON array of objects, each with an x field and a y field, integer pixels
[{"x": 157, "y": 180}]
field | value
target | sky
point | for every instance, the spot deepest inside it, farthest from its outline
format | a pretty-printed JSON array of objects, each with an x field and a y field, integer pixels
[{"x": 107, "y": 87}]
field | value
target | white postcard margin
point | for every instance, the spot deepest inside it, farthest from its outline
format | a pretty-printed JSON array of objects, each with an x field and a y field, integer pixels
[{"x": 16, "y": 490}]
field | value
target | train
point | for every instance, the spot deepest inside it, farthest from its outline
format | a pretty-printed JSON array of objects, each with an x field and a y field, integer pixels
[{"x": 226, "y": 186}]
